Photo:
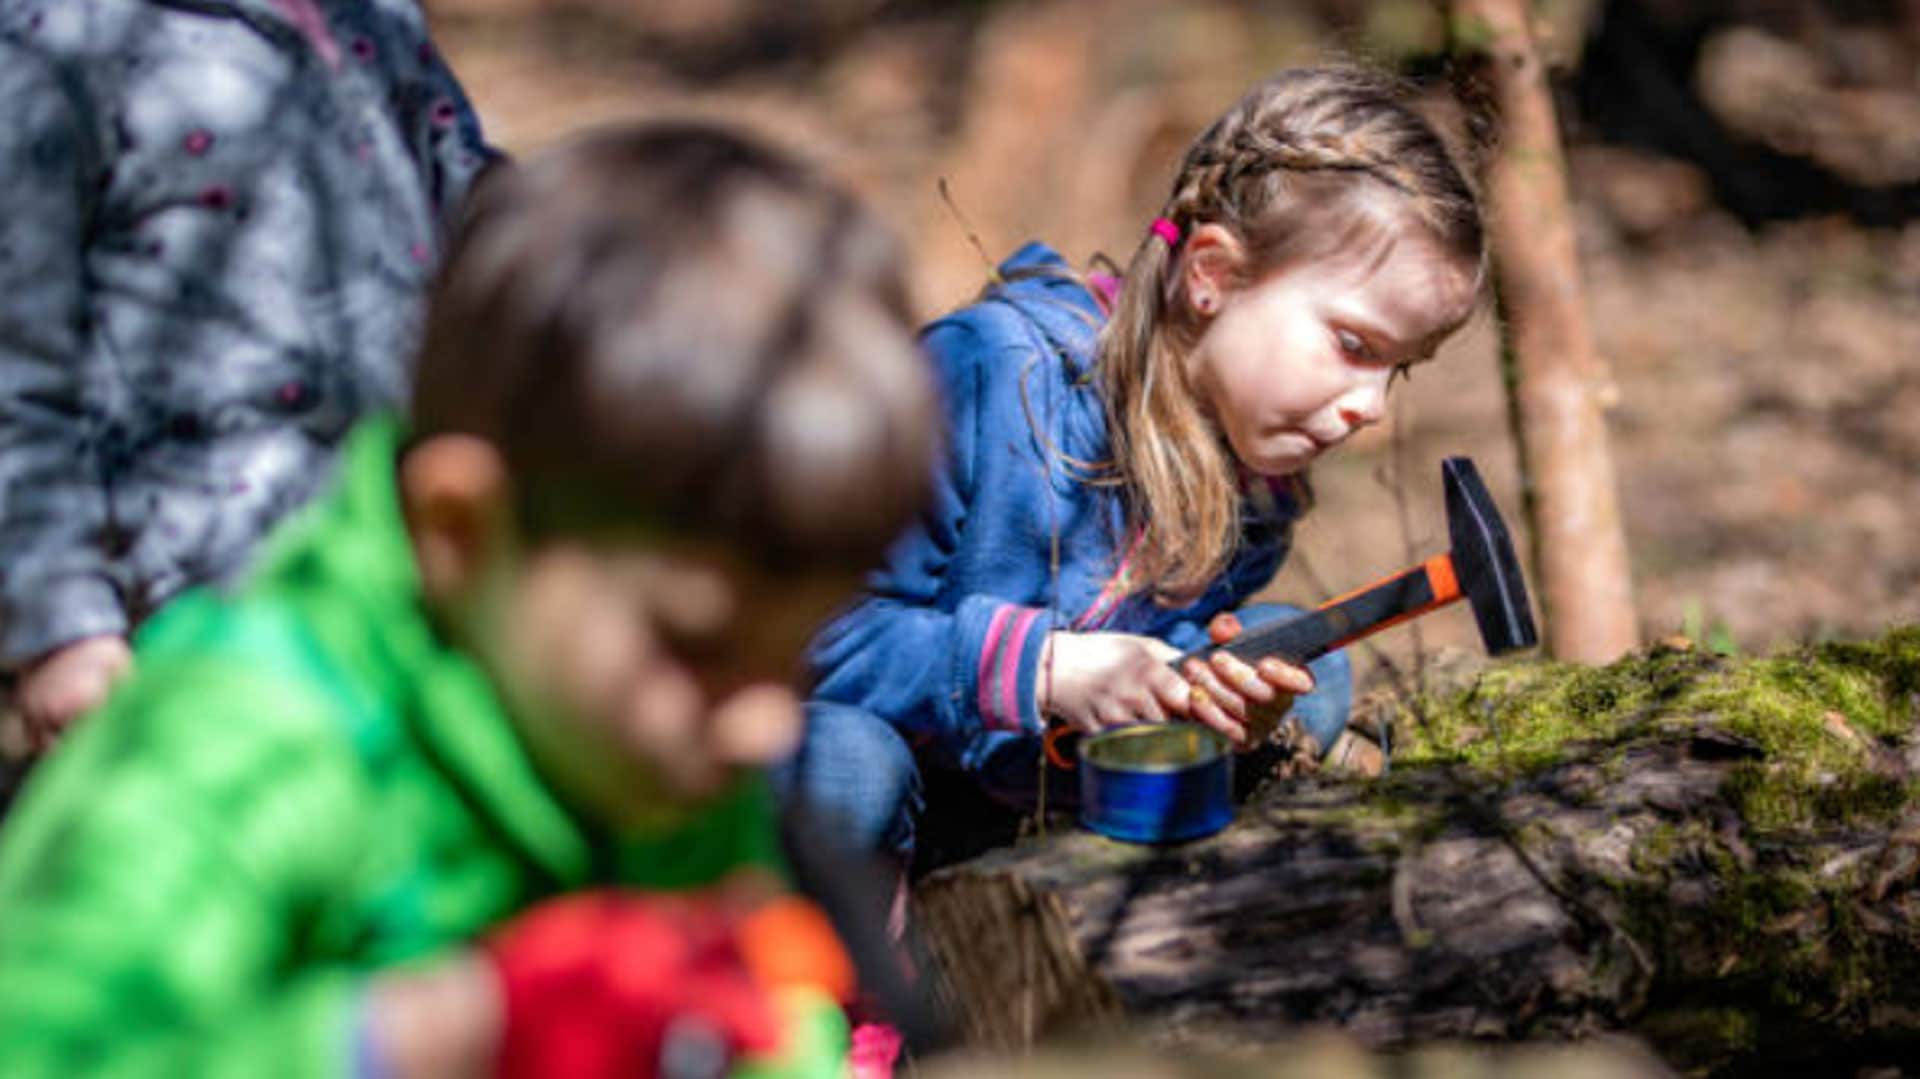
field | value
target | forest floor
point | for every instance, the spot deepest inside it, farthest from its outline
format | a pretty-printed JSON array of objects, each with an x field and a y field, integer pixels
[{"x": 1764, "y": 429}]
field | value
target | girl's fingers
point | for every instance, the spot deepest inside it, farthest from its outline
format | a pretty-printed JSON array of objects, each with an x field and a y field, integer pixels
[
  {"x": 1219, "y": 692},
  {"x": 1209, "y": 714},
  {"x": 1224, "y": 627},
  {"x": 1146, "y": 709},
  {"x": 1115, "y": 714},
  {"x": 1172, "y": 691},
  {"x": 1285, "y": 676},
  {"x": 1211, "y": 703},
  {"x": 1243, "y": 678}
]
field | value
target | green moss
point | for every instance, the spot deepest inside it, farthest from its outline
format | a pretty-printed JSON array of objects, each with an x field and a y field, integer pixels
[
  {"x": 1519, "y": 716},
  {"x": 1716, "y": 1032},
  {"x": 1780, "y": 796},
  {"x": 1895, "y": 659},
  {"x": 1656, "y": 849},
  {"x": 1379, "y": 817},
  {"x": 1813, "y": 718},
  {"x": 1782, "y": 940},
  {"x": 1798, "y": 949},
  {"x": 1470, "y": 34}
]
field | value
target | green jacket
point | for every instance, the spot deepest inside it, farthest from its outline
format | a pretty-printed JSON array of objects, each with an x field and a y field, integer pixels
[{"x": 300, "y": 785}]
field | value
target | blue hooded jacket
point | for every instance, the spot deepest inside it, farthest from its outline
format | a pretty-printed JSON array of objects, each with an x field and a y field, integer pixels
[{"x": 1017, "y": 541}]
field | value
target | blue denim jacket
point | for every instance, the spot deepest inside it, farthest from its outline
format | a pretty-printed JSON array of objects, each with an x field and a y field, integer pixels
[
  {"x": 1016, "y": 541},
  {"x": 218, "y": 221}
]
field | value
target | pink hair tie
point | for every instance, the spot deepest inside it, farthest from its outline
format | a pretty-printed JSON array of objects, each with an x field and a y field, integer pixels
[{"x": 1166, "y": 230}]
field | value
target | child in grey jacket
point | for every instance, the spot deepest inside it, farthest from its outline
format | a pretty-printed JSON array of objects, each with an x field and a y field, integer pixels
[{"x": 218, "y": 221}]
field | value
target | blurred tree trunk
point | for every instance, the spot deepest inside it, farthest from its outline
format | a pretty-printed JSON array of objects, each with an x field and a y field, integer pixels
[{"x": 1555, "y": 375}]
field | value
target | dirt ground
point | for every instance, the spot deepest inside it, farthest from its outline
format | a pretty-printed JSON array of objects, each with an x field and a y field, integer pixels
[{"x": 1766, "y": 430}]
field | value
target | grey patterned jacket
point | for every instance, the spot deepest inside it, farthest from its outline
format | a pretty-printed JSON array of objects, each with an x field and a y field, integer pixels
[{"x": 217, "y": 219}]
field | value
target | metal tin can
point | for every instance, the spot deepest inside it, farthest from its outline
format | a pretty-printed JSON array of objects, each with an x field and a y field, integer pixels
[{"x": 1158, "y": 783}]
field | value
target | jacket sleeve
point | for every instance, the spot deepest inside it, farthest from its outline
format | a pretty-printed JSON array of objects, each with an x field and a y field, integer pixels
[
  {"x": 909, "y": 653},
  {"x": 53, "y": 510},
  {"x": 156, "y": 881}
]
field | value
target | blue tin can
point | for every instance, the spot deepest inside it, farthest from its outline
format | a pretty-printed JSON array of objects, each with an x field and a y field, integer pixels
[{"x": 1158, "y": 783}]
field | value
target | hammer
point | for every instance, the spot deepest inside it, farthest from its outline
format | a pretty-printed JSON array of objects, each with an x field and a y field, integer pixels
[{"x": 1481, "y": 569}]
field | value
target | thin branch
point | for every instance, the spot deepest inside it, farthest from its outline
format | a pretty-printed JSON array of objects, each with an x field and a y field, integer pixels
[{"x": 960, "y": 219}]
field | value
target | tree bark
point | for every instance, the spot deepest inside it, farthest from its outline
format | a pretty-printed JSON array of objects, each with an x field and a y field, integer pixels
[
  {"x": 1556, "y": 377},
  {"x": 1644, "y": 880}
]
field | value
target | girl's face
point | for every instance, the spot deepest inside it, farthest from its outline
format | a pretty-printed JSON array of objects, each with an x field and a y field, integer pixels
[{"x": 1293, "y": 363}]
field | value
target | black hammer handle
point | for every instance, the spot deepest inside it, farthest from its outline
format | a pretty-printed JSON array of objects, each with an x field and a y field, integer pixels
[{"x": 1348, "y": 618}]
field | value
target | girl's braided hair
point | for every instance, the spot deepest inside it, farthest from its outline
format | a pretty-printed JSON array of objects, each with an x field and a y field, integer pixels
[{"x": 1313, "y": 162}]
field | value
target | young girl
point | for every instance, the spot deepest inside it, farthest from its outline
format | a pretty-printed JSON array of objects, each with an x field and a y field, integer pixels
[
  {"x": 218, "y": 220},
  {"x": 1123, "y": 473}
]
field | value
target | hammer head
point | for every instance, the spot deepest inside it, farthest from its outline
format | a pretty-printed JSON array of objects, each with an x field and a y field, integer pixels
[{"x": 1483, "y": 561}]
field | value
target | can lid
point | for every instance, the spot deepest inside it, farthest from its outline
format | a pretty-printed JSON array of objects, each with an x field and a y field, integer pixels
[{"x": 1153, "y": 747}]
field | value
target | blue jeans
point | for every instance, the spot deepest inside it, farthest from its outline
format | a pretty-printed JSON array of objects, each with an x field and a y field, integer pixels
[
  {"x": 1324, "y": 711},
  {"x": 856, "y": 768}
]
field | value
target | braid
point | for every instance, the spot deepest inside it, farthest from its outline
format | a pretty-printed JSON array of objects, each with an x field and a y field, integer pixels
[{"x": 1264, "y": 135}]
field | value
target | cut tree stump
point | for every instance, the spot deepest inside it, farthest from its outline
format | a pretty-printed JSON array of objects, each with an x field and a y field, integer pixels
[{"x": 1717, "y": 854}]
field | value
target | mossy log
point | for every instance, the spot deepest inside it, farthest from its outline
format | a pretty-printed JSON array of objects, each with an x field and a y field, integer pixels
[{"x": 1718, "y": 854}]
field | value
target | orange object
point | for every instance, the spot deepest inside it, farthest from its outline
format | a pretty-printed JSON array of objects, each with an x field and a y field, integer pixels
[
  {"x": 790, "y": 942},
  {"x": 1051, "y": 743}
]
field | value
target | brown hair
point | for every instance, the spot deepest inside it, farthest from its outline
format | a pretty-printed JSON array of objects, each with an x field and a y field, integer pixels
[
  {"x": 1312, "y": 162},
  {"x": 675, "y": 328}
]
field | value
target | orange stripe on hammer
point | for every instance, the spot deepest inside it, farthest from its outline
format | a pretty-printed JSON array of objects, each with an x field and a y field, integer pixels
[
  {"x": 1441, "y": 581},
  {"x": 1446, "y": 587}
]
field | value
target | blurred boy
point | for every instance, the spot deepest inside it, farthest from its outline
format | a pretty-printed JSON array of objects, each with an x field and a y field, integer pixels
[{"x": 536, "y": 641}]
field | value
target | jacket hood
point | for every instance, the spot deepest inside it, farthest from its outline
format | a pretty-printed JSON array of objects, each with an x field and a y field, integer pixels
[
  {"x": 1042, "y": 286},
  {"x": 298, "y": 19}
]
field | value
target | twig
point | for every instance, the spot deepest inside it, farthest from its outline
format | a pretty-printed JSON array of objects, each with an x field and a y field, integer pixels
[
  {"x": 1400, "y": 442},
  {"x": 946, "y": 197}
]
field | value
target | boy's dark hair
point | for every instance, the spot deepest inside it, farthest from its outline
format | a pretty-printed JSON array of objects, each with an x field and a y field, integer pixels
[{"x": 675, "y": 329}]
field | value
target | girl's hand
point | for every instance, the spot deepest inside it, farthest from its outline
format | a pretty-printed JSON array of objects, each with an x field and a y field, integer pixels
[
  {"x": 1092, "y": 681},
  {"x": 1244, "y": 702}
]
